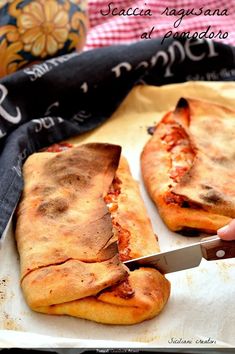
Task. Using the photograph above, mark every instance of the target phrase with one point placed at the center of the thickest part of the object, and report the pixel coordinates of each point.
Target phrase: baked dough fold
(188, 166)
(71, 242)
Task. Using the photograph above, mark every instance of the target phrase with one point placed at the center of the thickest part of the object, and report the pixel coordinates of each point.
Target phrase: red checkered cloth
(116, 29)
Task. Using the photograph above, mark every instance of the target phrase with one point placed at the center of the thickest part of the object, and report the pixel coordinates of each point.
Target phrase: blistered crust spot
(53, 208)
(212, 197)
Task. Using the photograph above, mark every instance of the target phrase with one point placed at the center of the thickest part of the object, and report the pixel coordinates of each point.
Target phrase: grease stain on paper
(189, 280)
(203, 270)
(146, 337)
(3, 288)
(224, 268)
(5, 293)
(11, 323)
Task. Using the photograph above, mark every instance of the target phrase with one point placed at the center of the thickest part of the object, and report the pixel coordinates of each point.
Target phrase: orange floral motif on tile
(39, 29)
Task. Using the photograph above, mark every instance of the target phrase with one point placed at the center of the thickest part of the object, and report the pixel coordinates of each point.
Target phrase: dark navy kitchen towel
(74, 93)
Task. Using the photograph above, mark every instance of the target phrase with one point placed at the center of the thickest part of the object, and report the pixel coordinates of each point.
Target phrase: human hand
(227, 232)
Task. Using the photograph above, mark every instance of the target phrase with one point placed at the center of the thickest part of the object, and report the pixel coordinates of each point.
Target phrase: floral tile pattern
(31, 31)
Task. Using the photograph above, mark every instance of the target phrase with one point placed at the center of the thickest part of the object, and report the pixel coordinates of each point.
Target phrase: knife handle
(213, 248)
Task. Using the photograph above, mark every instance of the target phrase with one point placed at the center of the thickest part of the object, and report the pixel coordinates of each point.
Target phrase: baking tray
(201, 309)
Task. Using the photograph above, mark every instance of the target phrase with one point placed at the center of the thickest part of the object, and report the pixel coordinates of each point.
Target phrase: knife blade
(210, 248)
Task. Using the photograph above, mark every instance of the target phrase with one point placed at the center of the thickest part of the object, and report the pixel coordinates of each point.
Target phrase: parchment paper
(201, 308)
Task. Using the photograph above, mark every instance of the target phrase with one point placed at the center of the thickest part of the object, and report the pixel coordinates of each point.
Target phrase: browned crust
(62, 207)
(85, 278)
(150, 294)
(71, 280)
(64, 229)
(132, 215)
(156, 163)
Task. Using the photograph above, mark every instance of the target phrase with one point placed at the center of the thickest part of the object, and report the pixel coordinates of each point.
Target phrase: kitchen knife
(211, 248)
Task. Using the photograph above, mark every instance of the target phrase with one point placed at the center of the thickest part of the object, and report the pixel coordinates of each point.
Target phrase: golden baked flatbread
(81, 215)
(188, 167)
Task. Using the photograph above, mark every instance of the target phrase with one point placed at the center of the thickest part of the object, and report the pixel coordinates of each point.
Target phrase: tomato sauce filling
(182, 154)
(177, 143)
(111, 198)
(58, 147)
(123, 290)
(123, 235)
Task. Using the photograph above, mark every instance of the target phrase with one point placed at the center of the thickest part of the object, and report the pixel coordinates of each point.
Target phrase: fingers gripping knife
(211, 248)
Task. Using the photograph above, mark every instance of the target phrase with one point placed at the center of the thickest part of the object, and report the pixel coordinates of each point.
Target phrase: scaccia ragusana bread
(79, 217)
(188, 167)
